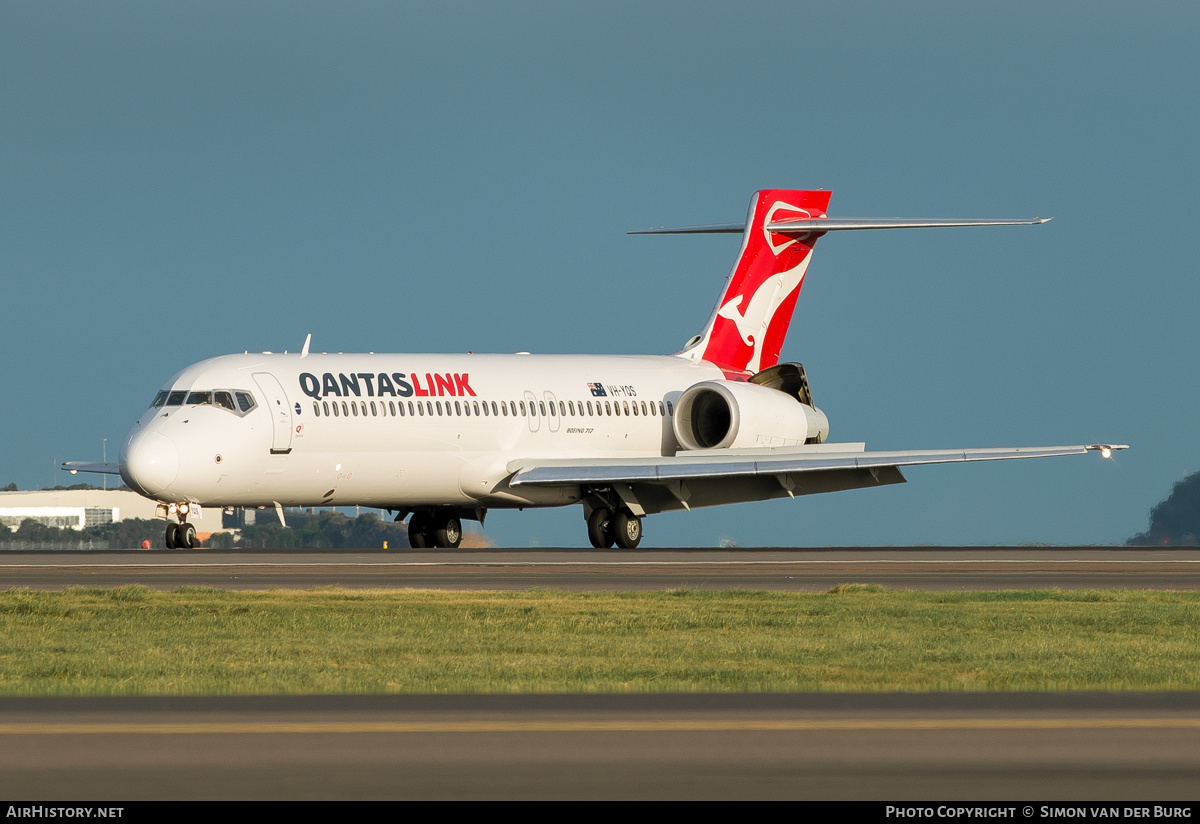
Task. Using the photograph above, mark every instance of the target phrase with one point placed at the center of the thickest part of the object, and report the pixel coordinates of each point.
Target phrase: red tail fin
(750, 321)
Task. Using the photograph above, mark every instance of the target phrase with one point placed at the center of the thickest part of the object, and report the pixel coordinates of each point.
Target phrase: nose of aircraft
(149, 462)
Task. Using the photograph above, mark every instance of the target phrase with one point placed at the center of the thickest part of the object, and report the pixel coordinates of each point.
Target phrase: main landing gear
(604, 528)
(439, 528)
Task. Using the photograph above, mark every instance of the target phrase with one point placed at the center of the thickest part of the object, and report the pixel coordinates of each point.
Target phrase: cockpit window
(224, 398)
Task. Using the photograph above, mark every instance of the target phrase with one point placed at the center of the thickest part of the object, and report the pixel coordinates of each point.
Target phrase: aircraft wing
(110, 468)
(730, 476)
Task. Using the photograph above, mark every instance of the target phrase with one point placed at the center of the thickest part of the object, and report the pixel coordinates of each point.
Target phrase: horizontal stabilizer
(83, 466)
(713, 229)
(844, 224)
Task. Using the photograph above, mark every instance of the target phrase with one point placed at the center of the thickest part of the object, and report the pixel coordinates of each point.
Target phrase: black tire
(599, 527)
(418, 531)
(447, 531)
(627, 529)
(185, 536)
(169, 540)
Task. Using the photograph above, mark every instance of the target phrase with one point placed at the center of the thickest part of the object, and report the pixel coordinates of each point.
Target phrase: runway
(887, 747)
(795, 570)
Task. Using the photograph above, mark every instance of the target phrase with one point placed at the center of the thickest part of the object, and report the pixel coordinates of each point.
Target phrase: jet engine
(725, 414)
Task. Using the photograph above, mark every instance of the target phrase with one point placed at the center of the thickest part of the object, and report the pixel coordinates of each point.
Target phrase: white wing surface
(735, 475)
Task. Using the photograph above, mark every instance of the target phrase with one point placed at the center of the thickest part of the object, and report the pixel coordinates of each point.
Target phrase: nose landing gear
(181, 535)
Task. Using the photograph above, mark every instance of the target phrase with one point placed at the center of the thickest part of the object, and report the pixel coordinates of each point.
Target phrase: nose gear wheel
(181, 536)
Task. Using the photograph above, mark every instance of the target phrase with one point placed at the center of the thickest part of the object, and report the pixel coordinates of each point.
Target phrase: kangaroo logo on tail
(746, 331)
(753, 324)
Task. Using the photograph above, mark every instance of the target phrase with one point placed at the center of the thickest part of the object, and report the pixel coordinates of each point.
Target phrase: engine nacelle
(724, 414)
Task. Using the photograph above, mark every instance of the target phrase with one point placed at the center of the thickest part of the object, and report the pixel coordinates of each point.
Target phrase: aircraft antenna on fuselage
(307, 341)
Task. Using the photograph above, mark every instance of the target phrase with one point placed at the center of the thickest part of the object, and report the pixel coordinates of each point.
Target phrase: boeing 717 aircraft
(443, 438)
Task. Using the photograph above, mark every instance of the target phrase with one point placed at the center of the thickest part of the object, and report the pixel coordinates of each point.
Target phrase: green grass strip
(191, 641)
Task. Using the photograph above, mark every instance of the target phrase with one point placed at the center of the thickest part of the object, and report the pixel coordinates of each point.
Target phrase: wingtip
(1106, 449)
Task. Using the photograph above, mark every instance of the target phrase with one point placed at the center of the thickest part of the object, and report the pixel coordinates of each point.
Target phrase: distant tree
(1175, 521)
(31, 530)
(128, 533)
(220, 540)
(12, 487)
(325, 530)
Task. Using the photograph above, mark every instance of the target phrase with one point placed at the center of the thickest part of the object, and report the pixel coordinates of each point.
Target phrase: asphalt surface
(886, 747)
(798, 570)
(967, 747)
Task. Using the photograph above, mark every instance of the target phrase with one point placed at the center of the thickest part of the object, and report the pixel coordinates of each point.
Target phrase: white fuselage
(398, 431)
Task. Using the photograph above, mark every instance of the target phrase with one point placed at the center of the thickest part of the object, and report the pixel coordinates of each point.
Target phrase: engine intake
(726, 414)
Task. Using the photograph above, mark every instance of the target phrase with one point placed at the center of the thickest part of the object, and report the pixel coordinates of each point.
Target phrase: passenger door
(279, 410)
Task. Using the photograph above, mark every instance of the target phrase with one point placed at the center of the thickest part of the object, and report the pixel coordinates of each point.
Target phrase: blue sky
(188, 179)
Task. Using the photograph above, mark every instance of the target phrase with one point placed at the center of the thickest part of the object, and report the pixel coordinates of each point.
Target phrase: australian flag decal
(597, 390)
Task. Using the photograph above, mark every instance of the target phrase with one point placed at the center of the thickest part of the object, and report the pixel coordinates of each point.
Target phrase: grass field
(134, 641)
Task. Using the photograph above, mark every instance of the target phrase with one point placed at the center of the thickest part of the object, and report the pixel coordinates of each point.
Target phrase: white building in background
(73, 508)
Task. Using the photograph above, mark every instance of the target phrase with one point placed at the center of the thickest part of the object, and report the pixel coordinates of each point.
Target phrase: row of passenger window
(235, 401)
(493, 409)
